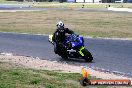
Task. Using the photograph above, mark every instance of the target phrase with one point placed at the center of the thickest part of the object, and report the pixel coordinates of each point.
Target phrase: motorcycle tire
(64, 56)
(87, 55)
(55, 48)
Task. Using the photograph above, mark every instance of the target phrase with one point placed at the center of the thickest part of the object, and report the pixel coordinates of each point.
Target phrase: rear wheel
(87, 55)
(56, 49)
(64, 56)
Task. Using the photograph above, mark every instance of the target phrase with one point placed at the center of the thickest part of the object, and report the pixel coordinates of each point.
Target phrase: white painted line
(6, 54)
(120, 9)
(19, 10)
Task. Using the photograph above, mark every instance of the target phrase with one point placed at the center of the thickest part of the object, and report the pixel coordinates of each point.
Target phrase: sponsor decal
(84, 80)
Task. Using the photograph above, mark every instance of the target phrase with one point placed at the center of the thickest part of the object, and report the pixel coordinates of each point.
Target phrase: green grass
(8, 2)
(68, 5)
(29, 78)
(79, 5)
(17, 77)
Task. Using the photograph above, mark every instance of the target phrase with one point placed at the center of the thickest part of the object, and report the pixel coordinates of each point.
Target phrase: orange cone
(86, 74)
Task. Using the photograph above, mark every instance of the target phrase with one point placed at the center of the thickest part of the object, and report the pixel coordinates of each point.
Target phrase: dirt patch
(36, 63)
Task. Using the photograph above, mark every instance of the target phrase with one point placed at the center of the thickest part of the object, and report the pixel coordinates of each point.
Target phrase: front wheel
(87, 55)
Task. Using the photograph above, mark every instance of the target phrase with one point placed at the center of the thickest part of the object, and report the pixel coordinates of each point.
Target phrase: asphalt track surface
(112, 55)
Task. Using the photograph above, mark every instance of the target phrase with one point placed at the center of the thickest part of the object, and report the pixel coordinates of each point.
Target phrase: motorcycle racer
(59, 36)
(69, 46)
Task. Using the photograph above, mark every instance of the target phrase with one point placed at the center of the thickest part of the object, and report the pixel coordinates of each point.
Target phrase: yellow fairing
(80, 51)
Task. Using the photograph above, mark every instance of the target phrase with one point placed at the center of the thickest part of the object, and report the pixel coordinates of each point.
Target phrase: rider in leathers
(59, 36)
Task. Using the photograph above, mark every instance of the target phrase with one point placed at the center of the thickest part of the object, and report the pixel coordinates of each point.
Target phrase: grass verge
(69, 5)
(95, 24)
(18, 77)
(79, 5)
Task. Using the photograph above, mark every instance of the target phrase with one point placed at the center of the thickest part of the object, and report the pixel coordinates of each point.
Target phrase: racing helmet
(60, 26)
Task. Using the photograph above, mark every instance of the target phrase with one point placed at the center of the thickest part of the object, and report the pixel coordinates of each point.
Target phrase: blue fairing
(76, 41)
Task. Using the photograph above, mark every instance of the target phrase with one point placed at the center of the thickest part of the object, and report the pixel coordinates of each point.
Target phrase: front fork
(80, 51)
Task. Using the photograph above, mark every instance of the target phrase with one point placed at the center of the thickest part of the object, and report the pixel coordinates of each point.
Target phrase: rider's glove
(75, 35)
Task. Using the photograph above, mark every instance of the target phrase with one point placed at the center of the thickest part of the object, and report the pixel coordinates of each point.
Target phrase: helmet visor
(61, 30)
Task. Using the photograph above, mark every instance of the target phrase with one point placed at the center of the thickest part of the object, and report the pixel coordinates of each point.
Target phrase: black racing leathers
(58, 38)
